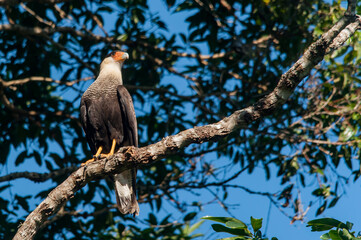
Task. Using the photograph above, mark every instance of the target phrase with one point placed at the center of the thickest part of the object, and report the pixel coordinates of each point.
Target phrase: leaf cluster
(238, 228)
(339, 230)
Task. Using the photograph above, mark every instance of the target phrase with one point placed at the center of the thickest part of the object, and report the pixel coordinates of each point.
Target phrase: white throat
(111, 71)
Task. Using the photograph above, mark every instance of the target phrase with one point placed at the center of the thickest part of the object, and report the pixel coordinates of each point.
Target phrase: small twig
(40, 19)
(12, 107)
(96, 20)
(15, 2)
(43, 79)
(62, 14)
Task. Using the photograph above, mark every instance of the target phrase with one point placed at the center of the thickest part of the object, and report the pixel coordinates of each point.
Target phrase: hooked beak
(120, 56)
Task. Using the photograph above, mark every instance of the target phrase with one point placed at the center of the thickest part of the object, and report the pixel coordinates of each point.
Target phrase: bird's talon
(88, 161)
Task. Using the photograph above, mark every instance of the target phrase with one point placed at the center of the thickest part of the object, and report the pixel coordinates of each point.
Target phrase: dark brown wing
(128, 114)
(85, 124)
(131, 139)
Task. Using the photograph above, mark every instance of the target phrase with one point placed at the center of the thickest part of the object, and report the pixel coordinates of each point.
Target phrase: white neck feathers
(111, 71)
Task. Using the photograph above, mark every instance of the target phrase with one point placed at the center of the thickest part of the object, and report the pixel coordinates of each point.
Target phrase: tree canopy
(251, 69)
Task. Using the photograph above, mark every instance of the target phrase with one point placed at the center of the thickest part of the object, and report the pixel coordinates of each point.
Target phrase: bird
(108, 119)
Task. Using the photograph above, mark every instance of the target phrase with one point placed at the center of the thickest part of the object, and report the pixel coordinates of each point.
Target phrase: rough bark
(127, 158)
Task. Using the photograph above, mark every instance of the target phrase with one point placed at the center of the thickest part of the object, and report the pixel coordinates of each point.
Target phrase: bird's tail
(125, 192)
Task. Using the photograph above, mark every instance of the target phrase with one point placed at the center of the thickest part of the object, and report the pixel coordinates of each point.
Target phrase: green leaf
(324, 224)
(222, 219)
(48, 165)
(345, 234)
(37, 158)
(321, 208)
(21, 157)
(189, 216)
(121, 228)
(347, 134)
(258, 234)
(152, 219)
(234, 238)
(333, 202)
(194, 227)
(233, 231)
(23, 202)
(334, 235)
(256, 223)
(158, 203)
(349, 225)
(325, 236)
(170, 3)
(122, 37)
(323, 191)
(235, 224)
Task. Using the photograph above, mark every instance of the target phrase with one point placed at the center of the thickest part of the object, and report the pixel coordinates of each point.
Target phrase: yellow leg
(112, 150)
(99, 155)
(100, 149)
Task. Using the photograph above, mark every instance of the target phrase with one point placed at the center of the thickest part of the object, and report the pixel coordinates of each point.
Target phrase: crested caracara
(108, 119)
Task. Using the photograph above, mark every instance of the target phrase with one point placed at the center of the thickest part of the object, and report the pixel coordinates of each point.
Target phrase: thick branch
(314, 54)
(344, 35)
(131, 157)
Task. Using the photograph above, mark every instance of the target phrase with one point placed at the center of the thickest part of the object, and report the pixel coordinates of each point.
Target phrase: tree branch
(12, 83)
(37, 177)
(46, 31)
(4, 100)
(16, 2)
(131, 157)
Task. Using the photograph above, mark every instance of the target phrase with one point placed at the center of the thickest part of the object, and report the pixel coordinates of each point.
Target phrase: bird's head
(115, 58)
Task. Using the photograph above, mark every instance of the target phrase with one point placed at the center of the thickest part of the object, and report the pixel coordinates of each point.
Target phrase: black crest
(110, 54)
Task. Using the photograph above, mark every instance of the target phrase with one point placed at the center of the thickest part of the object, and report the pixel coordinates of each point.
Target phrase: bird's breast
(96, 91)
